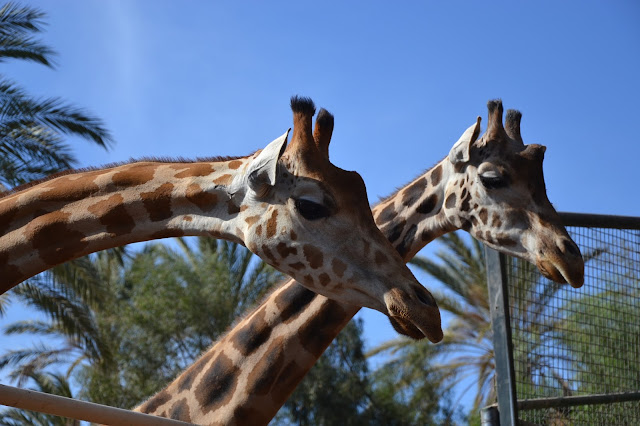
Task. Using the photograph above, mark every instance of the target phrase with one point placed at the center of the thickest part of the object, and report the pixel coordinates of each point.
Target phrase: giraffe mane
(35, 182)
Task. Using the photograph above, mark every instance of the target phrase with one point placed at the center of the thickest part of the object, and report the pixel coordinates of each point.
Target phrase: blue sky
(404, 80)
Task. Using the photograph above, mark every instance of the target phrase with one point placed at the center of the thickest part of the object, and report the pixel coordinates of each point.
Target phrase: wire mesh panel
(569, 343)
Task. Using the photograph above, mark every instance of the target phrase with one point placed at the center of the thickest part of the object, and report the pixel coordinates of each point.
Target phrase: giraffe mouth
(560, 273)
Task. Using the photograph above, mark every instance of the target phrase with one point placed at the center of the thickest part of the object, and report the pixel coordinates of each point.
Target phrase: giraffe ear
(460, 151)
(261, 173)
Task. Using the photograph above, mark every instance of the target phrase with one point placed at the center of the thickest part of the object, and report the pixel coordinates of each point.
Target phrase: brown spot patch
(218, 384)
(407, 242)
(264, 375)
(292, 301)
(187, 218)
(272, 224)
(324, 279)
(496, 222)
(234, 164)
(134, 174)
(185, 381)
(427, 236)
(152, 405)
(387, 214)
(436, 175)
(308, 281)
(158, 202)
(395, 232)
(413, 191)
(71, 188)
(259, 230)
(284, 250)
(180, 411)
(483, 215)
(427, 205)
(53, 239)
(239, 234)
(113, 215)
(318, 332)
(313, 256)
(451, 201)
(293, 235)
(267, 252)
(223, 180)
(297, 266)
(252, 219)
(194, 170)
(504, 241)
(206, 201)
(338, 267)
(252, 335)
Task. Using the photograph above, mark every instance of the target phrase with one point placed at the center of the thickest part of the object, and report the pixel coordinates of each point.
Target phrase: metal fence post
(502, 345)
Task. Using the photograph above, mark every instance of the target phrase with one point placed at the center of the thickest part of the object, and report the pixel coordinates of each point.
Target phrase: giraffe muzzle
(414, 313)
(563, 265)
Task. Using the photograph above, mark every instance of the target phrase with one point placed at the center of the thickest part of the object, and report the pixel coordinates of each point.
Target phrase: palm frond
(16, 23)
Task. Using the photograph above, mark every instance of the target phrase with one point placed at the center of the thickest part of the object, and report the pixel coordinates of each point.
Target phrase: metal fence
(568, 356)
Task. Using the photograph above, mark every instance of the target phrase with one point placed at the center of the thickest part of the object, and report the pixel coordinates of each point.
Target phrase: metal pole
(502, 345)
(74, 409)
(490, 416)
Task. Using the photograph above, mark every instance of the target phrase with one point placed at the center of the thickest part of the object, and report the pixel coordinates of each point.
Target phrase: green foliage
(466, 351)
(31, 130)
(157, 310)
(169, 306)
(340, 390)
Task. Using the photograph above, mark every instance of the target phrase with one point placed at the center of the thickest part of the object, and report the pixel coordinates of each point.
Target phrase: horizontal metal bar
(74, 409)
(599, 220)
(569, 401)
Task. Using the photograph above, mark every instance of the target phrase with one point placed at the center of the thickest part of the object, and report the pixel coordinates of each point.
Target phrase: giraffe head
(497, 192)
(312, 221)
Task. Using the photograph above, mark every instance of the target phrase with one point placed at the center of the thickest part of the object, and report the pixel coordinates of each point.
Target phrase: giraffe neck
(246, 376)
(76, 214)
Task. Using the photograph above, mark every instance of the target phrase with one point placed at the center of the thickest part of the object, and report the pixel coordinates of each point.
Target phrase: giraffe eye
(493, 181)
(311, 210)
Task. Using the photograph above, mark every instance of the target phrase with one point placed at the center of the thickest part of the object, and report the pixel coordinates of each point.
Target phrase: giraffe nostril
(570, 247)
(425, 297)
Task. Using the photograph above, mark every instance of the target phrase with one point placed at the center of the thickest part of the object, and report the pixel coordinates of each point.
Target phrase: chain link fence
(572, 356)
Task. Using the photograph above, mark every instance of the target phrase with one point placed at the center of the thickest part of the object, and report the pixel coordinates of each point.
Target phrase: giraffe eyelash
(311, 210)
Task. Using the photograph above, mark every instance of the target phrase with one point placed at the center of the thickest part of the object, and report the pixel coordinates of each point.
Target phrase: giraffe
(492, 187)
(287, 204)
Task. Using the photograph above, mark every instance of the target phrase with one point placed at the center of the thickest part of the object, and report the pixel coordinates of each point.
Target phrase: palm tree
(31, 147)
(170, 303)
(129, 322)
(31, 130)
(68, 296)
(466, 351)
(32, 144)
